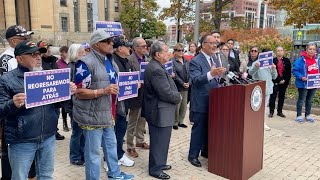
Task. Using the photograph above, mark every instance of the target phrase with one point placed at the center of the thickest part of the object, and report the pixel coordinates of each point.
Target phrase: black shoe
(270, 115)
(77, 163)
(195, 162)
(175, 127)
(204, 154)
(161, 176)
(167, 167)
(281, 114)
(59, 136)
(182, 125)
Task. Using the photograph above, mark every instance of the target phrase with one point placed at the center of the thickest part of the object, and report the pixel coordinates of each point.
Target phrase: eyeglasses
(106, 41)
(143, 46)
(211, 43)
(179, 50)
(34, 55)
(254, 50)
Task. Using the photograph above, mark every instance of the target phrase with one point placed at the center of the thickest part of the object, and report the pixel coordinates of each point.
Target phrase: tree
(299, 12)
(216, 10)
(129, 15)
(153, 28)
(180, 10)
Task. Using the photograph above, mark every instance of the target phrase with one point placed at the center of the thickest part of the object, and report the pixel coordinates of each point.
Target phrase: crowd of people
(99, 120)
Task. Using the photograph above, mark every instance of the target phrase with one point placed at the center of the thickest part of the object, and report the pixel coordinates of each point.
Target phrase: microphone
(233, 77)
(242, 78)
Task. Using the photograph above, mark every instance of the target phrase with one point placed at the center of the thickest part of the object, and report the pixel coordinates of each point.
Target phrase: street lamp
(140, 33)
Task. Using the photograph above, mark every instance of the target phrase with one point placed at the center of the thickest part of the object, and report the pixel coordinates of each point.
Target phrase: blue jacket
(300, 70)
(24, 125)
(199, 67)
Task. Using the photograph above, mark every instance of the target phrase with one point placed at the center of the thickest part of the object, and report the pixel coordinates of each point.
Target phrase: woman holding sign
(303, 67)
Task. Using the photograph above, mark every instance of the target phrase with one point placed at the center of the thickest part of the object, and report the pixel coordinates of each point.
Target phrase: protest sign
(169, 67)
(266, 59)
(143, 66)
(113, 28)
(128, 85)
(46, 87)
(313, 81)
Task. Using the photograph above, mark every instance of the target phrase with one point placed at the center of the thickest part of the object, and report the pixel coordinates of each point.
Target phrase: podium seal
(256, 98)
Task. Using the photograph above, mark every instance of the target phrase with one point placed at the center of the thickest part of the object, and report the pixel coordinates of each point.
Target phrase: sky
(163, 4)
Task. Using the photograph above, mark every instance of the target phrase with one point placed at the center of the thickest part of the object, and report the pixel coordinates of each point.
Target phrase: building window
(63, 3)
(249, 19)
(64, 24)
(76, 15)
(116, 6)
(270, 21)
(106, 13)
(90, 15)
(262, 9)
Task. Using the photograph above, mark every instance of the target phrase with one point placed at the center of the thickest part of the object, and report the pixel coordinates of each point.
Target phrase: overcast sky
(162, 4)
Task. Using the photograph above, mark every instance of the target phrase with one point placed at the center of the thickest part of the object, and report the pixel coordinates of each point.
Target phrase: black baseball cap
(120, 41)
(17, 30)
(27, 47)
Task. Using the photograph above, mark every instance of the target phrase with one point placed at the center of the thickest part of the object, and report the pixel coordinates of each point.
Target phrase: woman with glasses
(181, 79)
(233, 64)
(263, 74)
(307, 64)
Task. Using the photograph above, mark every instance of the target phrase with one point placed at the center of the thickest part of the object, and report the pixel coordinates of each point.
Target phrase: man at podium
(204, 75)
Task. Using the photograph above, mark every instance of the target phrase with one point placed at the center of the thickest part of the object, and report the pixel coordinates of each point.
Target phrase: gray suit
(160, 99)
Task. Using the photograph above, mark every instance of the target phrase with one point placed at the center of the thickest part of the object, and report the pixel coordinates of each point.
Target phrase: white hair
(73, 52)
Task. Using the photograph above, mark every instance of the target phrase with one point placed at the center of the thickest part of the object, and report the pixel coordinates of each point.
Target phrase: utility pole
(178, 23)
(197, 19)
(140, 33)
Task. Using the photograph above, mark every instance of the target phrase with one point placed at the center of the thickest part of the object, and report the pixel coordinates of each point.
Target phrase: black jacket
(182, 73)
(286, 73)
(124, 66)
(24, 125)
(234, 65)
(49, 63)
(236, 56)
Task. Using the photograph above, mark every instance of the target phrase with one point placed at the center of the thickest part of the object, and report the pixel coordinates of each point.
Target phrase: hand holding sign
(73, 88)
(266, 59)
(19, 99)
(112, 89)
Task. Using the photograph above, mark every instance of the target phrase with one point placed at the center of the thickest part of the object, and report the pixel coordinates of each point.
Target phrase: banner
(113, 28)
(128, 85)
(46, 87)
(266, 59)
(169, 67)
(143, 66)
(313, 81)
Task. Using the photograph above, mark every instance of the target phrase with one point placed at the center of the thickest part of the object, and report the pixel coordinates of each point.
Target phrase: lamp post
(197, 19)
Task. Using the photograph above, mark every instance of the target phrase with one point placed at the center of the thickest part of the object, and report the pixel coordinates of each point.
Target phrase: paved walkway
(291, 151)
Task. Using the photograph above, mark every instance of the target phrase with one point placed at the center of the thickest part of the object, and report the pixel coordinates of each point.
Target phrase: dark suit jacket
(136, 102)
(199, 67)
(236, 56)
(286, 73)
(160, 96)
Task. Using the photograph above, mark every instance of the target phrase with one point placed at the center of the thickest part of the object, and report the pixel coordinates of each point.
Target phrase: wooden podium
(235, 131)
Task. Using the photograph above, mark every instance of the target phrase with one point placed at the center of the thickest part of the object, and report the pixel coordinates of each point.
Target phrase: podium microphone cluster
(233, 77)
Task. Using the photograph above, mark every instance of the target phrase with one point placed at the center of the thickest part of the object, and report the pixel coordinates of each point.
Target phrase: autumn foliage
(263, 38)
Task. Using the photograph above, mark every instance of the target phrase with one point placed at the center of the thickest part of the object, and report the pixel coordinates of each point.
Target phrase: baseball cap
(17, 30)
(28, 46)
(98, 35)
(120, 41)
(43, 44)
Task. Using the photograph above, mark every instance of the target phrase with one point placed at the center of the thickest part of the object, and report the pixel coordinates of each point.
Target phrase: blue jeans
(76, 142)
(21, 156)
(305, 95)
(93, 141)
(120, 130)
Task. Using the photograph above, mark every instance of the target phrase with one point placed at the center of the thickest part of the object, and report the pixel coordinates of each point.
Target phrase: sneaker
(143, 145)
(105, 166)
(182, 125)
(77, 163)
(122, 176)
(310, 119)
(299, 119)
(266, 127)
(125, 161)
(59, 136)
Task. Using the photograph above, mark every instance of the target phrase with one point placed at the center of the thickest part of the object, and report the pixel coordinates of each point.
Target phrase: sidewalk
(291, 151)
